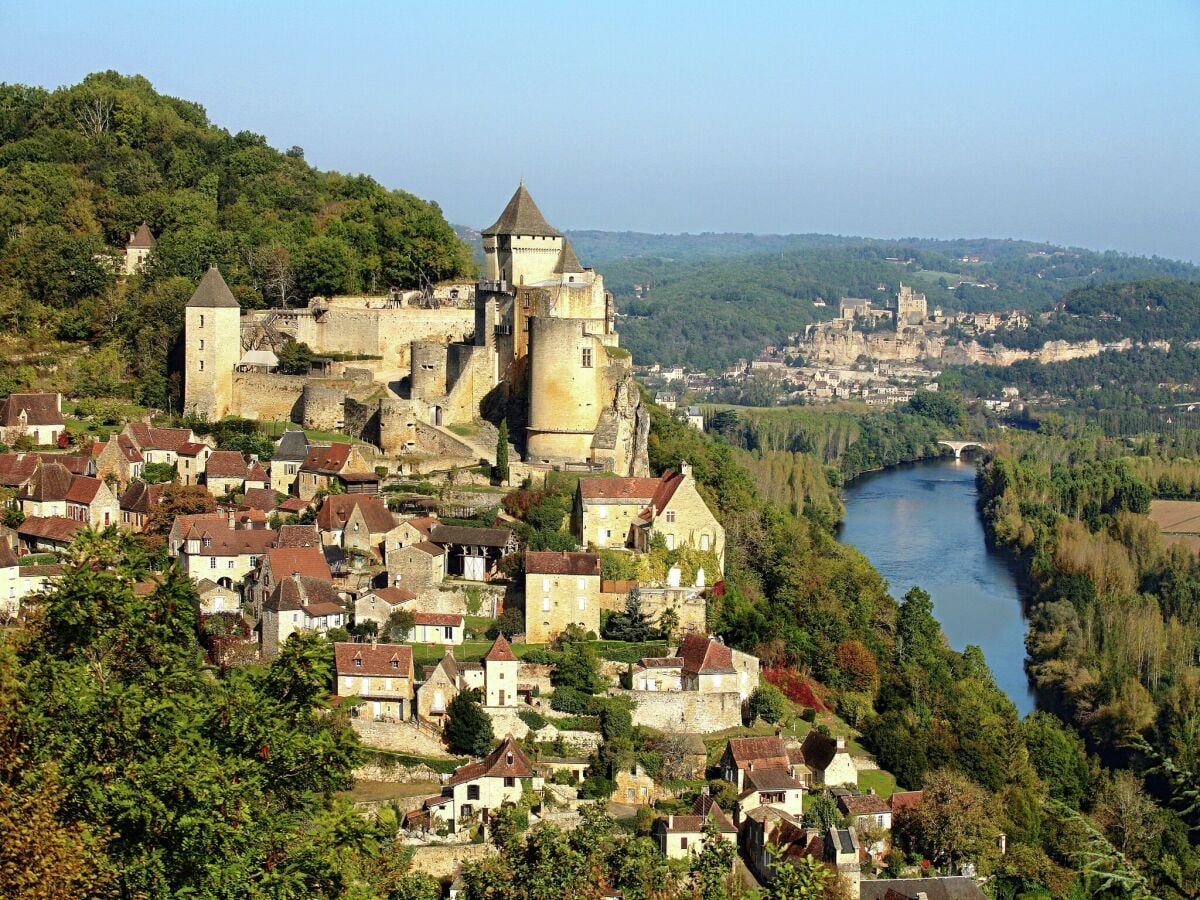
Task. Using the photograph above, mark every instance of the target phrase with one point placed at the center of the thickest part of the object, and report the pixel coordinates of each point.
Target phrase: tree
(158, 473)
(711, 868)
(822, 813)
(1058, 756)
(274, 264)
(326, 267)
(805, 879)
(510, 622)
(630, 625)
(500, 471)
(579, 669)
(767, 703)
(953, 822)
(470, 728)
(399, 626)
(179, 500)
(295, 358)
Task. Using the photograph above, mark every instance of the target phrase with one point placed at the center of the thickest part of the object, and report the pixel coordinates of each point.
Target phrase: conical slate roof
(213, 291)
(522, 216)
(568, 262)
(141, 239)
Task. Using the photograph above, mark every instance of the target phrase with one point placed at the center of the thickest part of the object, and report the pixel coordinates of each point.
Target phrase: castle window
(545, 604)
(202, 321)
(587, 357)
(201, 365)
(201, 343)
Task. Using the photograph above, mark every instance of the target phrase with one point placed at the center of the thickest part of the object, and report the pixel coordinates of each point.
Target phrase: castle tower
(213, 340)
(522, 247)
(565, 385)
(137, 250)
(500, 668)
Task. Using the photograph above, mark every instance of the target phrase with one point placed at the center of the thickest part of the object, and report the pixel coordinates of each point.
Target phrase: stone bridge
(959, 446)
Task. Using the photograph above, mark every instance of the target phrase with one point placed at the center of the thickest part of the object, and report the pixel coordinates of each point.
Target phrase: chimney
(841, 743)
(685, 468)
(374, 642)
(670, 820)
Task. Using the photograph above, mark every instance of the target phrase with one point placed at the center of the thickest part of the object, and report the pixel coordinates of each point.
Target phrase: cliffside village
(322, 537)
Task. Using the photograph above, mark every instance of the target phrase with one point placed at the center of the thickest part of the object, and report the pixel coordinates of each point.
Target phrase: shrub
(569, 700)
(597, 787)
(767, 703)
(532, 718)
(508, 623)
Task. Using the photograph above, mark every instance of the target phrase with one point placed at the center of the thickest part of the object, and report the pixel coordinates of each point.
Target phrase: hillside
(707, 300)
(82, 166)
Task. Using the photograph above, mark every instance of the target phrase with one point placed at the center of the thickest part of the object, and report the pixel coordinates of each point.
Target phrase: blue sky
(1071, 122)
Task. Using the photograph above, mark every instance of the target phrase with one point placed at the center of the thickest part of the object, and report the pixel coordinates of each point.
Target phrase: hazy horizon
(1072, 125)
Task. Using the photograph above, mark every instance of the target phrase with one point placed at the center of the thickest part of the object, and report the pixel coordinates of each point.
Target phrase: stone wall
(444, 861)
(388, 333)
(690, 710)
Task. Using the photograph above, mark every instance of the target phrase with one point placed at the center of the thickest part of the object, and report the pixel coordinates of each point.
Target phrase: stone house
(955, 887)
(377, 604)
(867, 811)
(629, 512)
(441, 685)
(214, 550)
(767, 828)
(744, 755)
(191, 460)
(658, 674)
(117, 457)
(299, 603)
(500, 670)
(417, 567)
(380, 675)
(709, 666)
(769, 786)
(436, 628)
(561, 588)
(214, 598)
(679, 837)
(355, 522)
(695, 418)
(91, 501)
(633, 784)
(290, 452)
(45, 494)
(137, 250)
(326, 464)
(279, 563)
(16, 469)
(502, 777)
(10, 583)
(158, 445)
(225, 472)
(136, 503)
(46, 534)
(828, 760)
(37, 416)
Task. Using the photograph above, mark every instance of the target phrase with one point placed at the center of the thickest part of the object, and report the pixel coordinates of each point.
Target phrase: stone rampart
(690, 710)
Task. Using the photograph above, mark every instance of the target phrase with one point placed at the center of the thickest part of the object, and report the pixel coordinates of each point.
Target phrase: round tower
(564, 390)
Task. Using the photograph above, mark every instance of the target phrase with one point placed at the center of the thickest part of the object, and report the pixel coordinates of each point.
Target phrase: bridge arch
(959, 446)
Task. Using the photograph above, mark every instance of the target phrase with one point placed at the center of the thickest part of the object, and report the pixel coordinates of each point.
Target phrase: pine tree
(501, 469)
(470, 728)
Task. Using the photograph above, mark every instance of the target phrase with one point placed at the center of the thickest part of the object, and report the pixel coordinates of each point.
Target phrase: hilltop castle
(534, 341)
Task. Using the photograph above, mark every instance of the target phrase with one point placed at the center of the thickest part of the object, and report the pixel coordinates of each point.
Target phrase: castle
(533, 341)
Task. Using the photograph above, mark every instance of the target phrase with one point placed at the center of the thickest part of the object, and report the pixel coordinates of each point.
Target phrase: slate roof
(141, 239)
(39, 409)
(762, 751)
(772, 778)
(225, 464)
(292, 447)
(568, 262)
(501, 651)
(464, 534)
(213, 292)
(522, 216)
(555, 562)
(496, 765)
(818, 750)
(336, 510)
(376, 659)
(705, 656)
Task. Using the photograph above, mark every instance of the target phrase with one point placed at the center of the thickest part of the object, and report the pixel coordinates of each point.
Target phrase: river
(918, 525)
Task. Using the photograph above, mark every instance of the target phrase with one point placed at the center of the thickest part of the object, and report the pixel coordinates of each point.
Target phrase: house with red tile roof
(481, 787)
(380, 676)
(118, 457)
(355, 522)
(212, 549)
(377, 604)
(299, 603)
(227, 472)
(436, 628)
(679, 837)
(16, 469)
(91, 501)
(40, 534)
(159, 445)
(75, 463)
(191, 460)
(37, 416)
(340, 461)
(631, 512)
(45, 494)
(500, 670)
(561, 589)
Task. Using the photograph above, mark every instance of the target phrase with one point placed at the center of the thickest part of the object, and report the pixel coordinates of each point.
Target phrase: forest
(82, 166)
(696, 290)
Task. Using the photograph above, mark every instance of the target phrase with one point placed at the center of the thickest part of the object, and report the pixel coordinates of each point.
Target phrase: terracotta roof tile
(296, 592)
(905, 800)
(51, 482)
(336, 510)
(58, 529)
(501, 651)
(630, 489)
(83, 490)
(554, 562)
(260, 498)
(286, 561)
(439, 619)
(506, 761)
(704, 655)
(72, 462)
(375, 660)
(762, 751)
(392, 595)
(17, 468)
(326, 460)
(39, 409)
(225, 464)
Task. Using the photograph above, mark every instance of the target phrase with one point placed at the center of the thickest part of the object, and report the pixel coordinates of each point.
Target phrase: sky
(1071, 122)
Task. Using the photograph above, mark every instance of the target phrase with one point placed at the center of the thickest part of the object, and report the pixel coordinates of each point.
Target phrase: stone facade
(561, 589)
(687, 710)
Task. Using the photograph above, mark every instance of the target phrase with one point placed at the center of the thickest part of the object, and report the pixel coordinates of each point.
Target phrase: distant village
(378, 521)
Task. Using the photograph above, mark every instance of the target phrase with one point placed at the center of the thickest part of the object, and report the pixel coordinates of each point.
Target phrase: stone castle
(533, 341)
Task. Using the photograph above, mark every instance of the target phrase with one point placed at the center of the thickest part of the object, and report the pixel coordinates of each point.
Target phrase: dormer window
(358, 664)
(207, 542)
(395, 663)
(508, 758)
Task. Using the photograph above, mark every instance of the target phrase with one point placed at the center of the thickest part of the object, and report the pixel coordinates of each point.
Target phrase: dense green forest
(82, 166)
(709, 300)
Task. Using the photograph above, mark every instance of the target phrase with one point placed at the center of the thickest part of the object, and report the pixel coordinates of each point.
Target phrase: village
(515, 625)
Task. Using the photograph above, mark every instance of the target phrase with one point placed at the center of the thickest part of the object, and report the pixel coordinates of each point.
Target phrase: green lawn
(884, 783)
